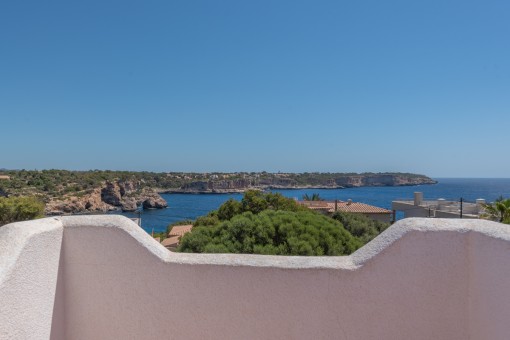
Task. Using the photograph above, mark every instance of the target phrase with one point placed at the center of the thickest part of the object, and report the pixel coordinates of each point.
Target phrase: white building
(440, 208)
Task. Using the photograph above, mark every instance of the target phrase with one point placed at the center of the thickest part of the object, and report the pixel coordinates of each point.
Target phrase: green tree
(13, 209)
(254, 201)
(229, 209)
(273, 232)
(360, 226)
(207, 221)
(498, 211)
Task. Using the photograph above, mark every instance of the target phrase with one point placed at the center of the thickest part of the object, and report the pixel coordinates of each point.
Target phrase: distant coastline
(241, 191)
(271, 187)
(70, 192)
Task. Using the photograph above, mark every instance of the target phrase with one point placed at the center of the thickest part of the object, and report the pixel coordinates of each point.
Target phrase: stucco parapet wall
(15, 237)
(351, 262)
(428, 225)
(155, 248)
(103, 277)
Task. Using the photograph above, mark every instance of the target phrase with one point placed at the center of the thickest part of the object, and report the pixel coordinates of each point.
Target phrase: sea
(191, 206)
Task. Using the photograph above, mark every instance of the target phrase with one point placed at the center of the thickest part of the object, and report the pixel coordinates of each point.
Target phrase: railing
(459, 206)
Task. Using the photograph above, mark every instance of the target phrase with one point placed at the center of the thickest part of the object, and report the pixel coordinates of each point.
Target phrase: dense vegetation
(55, 183)
(363, 228)
(13, 209)
(267, 223)
(272, 232)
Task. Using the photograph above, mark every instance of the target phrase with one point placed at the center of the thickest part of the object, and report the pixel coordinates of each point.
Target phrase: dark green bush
(273, 232)
(13, 209)
(360, 226)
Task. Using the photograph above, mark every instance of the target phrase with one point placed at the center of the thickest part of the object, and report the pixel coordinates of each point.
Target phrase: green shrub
(13, 209)
(273, 232)
(360, 226)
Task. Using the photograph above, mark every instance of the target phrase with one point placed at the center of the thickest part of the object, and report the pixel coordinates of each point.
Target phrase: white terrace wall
(29, 262)
(421, 279)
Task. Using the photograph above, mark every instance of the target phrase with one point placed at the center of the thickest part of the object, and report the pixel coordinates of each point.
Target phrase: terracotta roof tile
(171, 241)
(353, 207)
(360, 208)
(180, 230)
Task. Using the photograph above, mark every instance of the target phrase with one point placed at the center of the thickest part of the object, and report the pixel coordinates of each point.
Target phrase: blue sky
(256, 85)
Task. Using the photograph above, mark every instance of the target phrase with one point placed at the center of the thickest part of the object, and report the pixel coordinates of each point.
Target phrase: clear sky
(410, 86)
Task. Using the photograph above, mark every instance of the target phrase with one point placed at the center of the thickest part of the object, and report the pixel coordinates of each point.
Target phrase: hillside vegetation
(58, 183)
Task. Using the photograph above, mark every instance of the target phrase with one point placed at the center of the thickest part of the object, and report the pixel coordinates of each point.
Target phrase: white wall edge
(15, 236)
(394, 233)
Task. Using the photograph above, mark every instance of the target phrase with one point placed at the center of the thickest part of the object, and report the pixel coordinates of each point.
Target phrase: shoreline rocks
(119, 195)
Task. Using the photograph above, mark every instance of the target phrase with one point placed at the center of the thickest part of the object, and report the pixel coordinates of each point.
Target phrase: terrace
(102, 277)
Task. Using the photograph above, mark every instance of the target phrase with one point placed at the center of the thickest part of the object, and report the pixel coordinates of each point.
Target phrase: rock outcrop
(120, 195)
(154, 202)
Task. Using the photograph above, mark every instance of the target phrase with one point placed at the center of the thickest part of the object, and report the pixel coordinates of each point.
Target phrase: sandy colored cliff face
(347, 181)
(381, 180)
(126, 196)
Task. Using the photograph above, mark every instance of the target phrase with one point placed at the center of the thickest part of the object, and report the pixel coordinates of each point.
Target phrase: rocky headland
(118, 195)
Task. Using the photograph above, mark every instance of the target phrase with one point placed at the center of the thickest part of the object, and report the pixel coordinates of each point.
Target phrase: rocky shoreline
(243, 190)
(112, 196)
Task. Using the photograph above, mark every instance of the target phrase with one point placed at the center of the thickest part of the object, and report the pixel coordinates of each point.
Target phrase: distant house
(171, 242)
(329, 207)
(5, 177)
(175, 234)
(180, 230)
(439, 208)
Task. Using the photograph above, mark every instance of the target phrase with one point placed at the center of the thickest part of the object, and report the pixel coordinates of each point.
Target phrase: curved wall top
(87, 277)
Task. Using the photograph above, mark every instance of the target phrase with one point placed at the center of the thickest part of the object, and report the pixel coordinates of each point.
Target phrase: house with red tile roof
(329, 207)
(175, 234)
(180, 230)
(171, 242)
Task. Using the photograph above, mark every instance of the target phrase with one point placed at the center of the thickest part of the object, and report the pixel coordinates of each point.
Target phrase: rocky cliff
(119, 195)
(297, 181)
(380, 180)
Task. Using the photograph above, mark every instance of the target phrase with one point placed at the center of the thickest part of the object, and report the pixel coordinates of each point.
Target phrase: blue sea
(190, 206)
